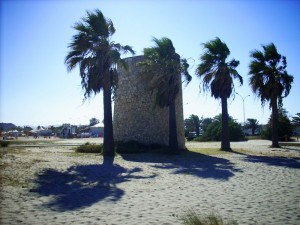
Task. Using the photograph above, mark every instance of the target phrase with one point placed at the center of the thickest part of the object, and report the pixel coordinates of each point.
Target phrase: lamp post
(243, 98)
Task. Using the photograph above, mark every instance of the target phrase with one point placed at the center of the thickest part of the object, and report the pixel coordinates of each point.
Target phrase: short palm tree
(252, 124)
(161, 70)
(196, 123)
(296, 120)
(270, 81)
(217, 75)
(97, 57)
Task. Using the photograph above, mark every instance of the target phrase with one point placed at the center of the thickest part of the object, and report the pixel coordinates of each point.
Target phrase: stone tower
(135, 117)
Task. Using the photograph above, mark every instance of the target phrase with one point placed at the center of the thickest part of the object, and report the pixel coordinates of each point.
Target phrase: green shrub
(192, 218)
(200, 139)
(4, 143)
(214, 131)
(90, 148)
(285, 128)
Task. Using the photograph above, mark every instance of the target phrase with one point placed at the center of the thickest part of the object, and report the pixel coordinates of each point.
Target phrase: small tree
(285, 127)
(196, 123)
(296, 120)
(204, 123)
(252, 124)
(94, 121)
(188, 126)
(214, 130)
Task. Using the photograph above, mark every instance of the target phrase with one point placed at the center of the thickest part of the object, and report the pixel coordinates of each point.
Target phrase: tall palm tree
(270, 81)
(161, 70)
(217, 76)
(97, 57)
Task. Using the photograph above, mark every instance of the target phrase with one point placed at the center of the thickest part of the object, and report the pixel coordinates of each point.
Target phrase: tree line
(97, 56)
(209, 129)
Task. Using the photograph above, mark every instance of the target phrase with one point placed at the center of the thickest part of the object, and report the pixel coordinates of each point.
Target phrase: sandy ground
(53, 185)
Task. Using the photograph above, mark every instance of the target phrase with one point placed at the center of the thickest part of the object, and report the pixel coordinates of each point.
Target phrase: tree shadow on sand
(187, 162)
(292, 163)
(83, 185)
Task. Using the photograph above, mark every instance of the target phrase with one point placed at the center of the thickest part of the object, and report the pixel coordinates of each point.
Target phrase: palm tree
(196, 123)
(270, 81)
(217, 76)
(97, 57)
(252, 124)
(161, 70)
(296, 120)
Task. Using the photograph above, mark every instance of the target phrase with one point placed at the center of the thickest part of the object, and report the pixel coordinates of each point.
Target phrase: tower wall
(135, 117)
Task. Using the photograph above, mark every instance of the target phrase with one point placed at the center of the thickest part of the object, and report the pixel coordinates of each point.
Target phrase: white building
(96, 130)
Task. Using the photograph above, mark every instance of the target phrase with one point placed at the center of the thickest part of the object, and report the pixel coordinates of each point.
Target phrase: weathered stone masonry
(135, 118)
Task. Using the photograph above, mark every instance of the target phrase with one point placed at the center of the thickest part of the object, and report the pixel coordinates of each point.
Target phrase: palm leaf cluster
(93, 51)
(269, 78)
(217, 74)
(161, 70)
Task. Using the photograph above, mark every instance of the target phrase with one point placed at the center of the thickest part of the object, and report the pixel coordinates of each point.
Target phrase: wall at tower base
(135, 117)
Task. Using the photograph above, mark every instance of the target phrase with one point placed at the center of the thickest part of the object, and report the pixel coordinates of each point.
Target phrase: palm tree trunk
(197, 128)
(108, 142)
(225, 144)
(275, 122)
(173, 142)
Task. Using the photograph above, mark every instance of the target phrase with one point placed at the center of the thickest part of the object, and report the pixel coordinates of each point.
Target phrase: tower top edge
(136, 57)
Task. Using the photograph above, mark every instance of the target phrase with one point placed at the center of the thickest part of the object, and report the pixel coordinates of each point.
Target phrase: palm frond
(184, 70)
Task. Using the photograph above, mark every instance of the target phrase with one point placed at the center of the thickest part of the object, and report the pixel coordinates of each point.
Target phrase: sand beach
(48, 183)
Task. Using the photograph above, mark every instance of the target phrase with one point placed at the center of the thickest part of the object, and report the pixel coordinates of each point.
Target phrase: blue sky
(36, 88)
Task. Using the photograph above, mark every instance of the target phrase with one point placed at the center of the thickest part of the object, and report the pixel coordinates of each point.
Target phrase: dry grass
(16, 168)
(280, 153)
(192, 218)
(209, 151)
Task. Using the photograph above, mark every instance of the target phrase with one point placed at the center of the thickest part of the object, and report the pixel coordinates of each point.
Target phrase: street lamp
(243, 98)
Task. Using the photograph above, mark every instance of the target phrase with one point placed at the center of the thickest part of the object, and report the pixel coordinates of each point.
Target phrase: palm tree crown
(269, 78)
(94, 53)
(161, 70)
(217, 74)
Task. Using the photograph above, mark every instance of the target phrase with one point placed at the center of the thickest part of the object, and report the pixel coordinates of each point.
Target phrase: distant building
(40, 131)
(96, 130)
(67, 131)
(44, 131)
